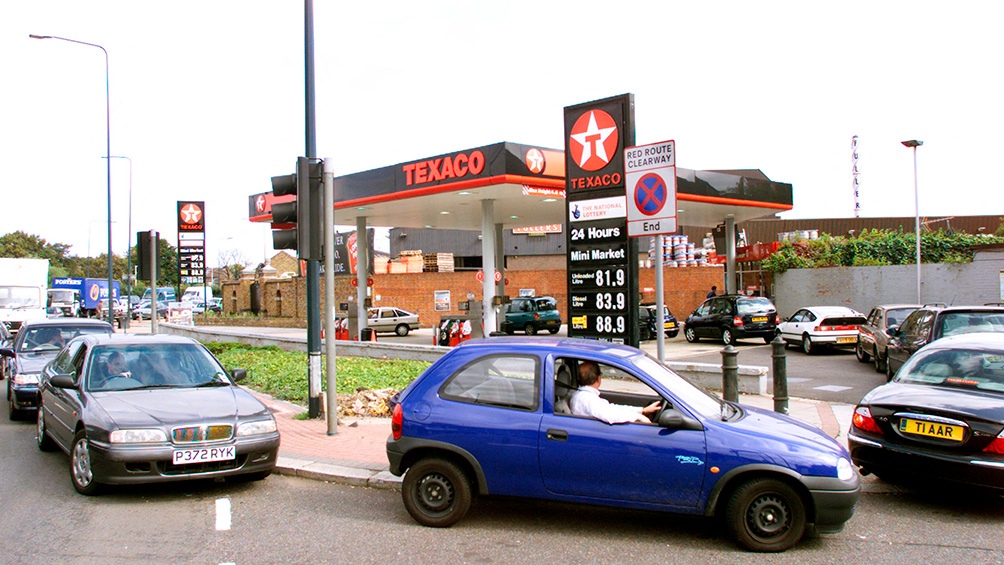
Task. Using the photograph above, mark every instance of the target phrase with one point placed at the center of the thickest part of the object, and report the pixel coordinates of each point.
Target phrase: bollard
(780, 375)
(730, 374)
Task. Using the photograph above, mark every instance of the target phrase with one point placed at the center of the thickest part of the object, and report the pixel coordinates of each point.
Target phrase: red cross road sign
(650, 182)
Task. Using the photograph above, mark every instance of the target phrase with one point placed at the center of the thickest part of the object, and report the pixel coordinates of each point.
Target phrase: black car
(940, 419)
(933, 322)
(872, 336)
(648, 322)
(33, 347)
(731, 317)
(148, 409)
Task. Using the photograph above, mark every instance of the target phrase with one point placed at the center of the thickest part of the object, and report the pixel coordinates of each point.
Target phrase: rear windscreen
(753, 305)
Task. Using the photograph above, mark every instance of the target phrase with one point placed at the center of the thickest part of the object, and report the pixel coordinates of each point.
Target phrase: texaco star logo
(259, 203)
(535, 161)
(593, 140)
(191, 214)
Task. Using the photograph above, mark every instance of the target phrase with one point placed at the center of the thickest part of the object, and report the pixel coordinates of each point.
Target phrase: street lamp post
(108, 161)
(125, 323)
(914, 144)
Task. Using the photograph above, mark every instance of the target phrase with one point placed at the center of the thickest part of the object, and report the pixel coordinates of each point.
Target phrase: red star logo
(593, 140)
(190, 214)
(535, 161)
(259, 203)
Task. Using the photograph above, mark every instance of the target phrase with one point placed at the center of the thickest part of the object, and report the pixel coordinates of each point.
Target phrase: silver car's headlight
(26, 379)
(844, 469)
(258, 427)
(137, 436)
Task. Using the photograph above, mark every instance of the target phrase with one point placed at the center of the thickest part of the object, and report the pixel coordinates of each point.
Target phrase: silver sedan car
(146, 409)
(385, 319)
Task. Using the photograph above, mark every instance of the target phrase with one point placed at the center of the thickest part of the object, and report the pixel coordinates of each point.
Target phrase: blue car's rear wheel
(766, 515)
(436, 493)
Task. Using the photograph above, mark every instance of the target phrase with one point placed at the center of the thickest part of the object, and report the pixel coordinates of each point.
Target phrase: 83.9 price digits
(610, 301)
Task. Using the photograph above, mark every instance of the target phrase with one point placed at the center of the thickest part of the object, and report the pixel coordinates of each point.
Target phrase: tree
(232, 262)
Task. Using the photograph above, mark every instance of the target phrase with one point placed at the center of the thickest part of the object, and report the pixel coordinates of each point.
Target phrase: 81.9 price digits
(610, 277)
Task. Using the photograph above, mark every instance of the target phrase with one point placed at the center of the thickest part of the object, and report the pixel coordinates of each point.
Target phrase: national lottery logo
(593, 140)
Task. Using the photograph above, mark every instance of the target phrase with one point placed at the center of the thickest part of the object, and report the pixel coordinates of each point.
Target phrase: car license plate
(931, 429)
(846, 339)
(758, 319)
(669, 325)
(204, 455)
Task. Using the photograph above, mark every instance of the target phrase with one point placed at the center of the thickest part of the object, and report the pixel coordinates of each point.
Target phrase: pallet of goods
(438, 262)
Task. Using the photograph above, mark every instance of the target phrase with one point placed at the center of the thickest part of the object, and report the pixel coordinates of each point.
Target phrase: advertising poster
(441, 300)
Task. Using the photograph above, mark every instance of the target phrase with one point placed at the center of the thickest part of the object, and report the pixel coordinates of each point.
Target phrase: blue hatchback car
(492, 417)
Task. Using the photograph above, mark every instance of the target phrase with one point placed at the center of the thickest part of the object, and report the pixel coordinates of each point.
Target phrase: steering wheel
(663, 405)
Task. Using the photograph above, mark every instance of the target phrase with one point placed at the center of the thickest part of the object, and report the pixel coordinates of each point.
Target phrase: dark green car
(531, 315)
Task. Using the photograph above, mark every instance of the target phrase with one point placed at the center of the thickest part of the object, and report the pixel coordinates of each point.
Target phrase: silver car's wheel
(861, 354)
(401, 330)
(42, 439)
(81, 472)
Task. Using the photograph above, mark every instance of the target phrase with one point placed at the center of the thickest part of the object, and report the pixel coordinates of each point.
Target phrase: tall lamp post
(125, 323)
(914, 144)
(108, 161)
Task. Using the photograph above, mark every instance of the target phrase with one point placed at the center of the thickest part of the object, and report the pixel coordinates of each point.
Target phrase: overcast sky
(207, 98)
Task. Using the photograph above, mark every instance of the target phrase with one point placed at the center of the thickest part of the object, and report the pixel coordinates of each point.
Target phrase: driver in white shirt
(586, 400)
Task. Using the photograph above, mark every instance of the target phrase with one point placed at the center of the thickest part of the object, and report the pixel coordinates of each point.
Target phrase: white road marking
(222, 514)
(833, 388)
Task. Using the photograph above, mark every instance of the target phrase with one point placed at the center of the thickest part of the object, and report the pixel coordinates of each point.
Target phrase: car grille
(195, 434)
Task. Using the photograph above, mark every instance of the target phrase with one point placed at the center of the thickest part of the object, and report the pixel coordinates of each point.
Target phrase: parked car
(447, 424)
(386, 319)
(145, 409)
(732, 316)
(142, 310)
(531, 315)
(940, 419)
(872, 336)
(34, 345)
(816, 327)
(933, 322)
(648, 322)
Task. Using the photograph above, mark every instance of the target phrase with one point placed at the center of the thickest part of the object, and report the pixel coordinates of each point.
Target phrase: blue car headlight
(845, 471)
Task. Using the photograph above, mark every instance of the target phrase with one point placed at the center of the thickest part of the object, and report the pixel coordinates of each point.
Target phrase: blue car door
(584, 457)
(580, 456)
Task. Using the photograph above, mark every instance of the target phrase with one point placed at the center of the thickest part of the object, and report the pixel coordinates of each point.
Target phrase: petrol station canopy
(526, 184)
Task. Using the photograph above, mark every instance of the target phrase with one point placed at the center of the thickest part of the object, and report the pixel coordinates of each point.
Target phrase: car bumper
(743, 333)
(24, 398)
(114, 464)
(875, 455)
(833, 500)
(848, 341)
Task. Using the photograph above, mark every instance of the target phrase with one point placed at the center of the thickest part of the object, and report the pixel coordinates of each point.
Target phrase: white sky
(207, 98)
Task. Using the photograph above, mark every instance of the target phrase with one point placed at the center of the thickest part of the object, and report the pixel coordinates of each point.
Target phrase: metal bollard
(780, 375)
(730, 374)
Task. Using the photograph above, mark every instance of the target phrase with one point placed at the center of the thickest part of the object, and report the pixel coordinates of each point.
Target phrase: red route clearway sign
(650, 185)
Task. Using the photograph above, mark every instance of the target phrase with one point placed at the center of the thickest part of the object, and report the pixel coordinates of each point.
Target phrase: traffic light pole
(313, 266)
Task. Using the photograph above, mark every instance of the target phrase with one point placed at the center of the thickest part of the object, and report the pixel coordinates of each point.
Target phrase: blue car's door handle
(557, 435)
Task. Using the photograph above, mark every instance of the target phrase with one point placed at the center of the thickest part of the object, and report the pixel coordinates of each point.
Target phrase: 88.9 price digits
(610, 324)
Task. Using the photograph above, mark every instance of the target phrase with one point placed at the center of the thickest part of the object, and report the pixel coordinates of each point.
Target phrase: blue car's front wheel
(766, 515)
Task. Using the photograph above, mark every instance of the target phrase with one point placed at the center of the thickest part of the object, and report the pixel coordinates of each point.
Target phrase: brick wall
(685, 288)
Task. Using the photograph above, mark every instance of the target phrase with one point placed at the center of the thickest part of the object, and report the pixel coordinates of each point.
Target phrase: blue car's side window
(506, 381)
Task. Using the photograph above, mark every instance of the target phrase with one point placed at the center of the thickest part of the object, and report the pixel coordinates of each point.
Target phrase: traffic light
(300, 224)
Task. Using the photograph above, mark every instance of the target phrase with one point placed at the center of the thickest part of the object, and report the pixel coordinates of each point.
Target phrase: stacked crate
(438, 262)
(412, 260)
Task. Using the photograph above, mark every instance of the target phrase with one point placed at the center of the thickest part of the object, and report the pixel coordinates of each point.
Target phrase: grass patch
(283, 374)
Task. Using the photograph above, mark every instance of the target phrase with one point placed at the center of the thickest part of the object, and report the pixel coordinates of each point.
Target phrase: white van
(197, 294)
